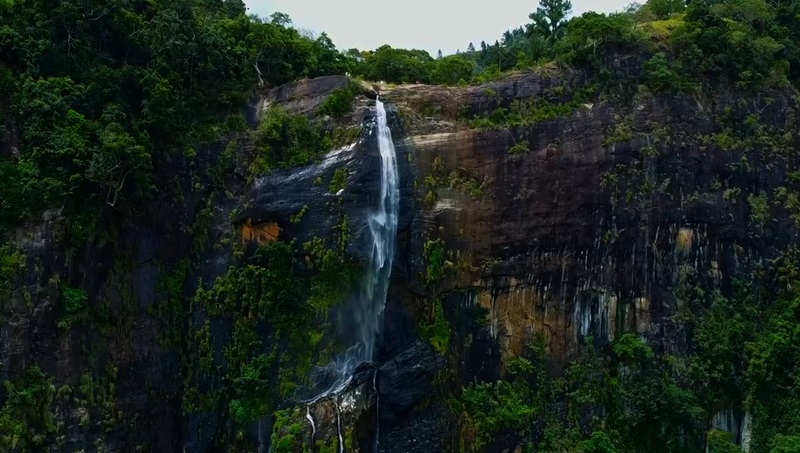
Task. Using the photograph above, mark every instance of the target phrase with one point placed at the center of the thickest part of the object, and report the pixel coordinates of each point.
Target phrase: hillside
(594, 246)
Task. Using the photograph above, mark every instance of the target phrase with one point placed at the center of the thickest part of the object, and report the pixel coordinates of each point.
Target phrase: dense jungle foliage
(96, 97)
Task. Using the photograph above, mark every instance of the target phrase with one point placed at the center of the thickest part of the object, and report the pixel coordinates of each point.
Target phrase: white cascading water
(339, 426)
(383, 231)
(372, 299)
(313, 426)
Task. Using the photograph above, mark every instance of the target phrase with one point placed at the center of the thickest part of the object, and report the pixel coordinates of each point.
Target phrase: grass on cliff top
(661, 30)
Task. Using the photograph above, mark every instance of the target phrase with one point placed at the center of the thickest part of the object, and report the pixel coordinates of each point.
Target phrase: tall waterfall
(383, 232)
(383, 229)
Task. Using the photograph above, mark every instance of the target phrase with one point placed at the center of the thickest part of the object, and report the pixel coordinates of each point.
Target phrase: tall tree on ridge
(281, 19)
(549, 20)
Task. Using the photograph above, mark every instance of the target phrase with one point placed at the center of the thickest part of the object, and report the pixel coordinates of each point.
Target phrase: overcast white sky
(417, 24)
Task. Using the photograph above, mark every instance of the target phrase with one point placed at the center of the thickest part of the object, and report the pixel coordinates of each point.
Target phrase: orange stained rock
(263, 233)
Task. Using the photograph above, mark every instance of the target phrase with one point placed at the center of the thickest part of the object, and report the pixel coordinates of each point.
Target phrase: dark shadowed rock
(406, 380)
(305, 95)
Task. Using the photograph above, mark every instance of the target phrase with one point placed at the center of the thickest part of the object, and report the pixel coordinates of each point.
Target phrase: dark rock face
(306, 95)
(405, 380)
(555, 250)
(124, 350)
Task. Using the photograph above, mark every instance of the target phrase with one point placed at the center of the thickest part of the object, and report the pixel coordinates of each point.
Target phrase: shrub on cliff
(286, 140)
(340, 102)
(718, 441)
(25, 417)
(506, 406)
(661, 76)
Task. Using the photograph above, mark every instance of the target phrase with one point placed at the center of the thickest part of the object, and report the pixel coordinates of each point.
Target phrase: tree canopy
(100, 92)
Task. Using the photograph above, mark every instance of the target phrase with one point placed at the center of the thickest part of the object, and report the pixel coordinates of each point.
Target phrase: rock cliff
(538, 215)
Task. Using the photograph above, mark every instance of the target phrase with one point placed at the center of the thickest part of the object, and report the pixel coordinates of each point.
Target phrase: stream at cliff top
(371, 300)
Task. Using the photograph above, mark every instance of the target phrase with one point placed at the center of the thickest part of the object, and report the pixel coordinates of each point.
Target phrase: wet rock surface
(406, 380)
(277, 197)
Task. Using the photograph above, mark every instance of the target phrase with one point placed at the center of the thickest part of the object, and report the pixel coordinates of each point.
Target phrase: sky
(413, 24)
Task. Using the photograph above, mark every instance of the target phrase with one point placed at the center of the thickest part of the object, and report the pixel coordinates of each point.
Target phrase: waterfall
(313, 427)
(747, 426)
(339, 427)
(367, 317)
(383, 230)
(382, 224)
(377, 412)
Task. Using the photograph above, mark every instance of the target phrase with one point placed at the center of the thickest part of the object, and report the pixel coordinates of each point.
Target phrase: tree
(451, 69)
(549, 19)
(281, 19)
(507, 37)
(439, 54)
(398, 65)
(470, 48)
(234, 8)
(326, 59)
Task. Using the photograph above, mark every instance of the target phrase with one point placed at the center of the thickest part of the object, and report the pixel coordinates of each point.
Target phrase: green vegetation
(459, 179)
(645, 400)
(96, 398)
(100, 103)
(452, 70)
(104, 106)
(520, 147)
(74, 304)
(252, 389)
(393, 65)
(12, 264)
(720, 442)
(286, 140)
(759, 208)
(662, 77)
(621, 133)
(437, 331)
(344, 135)
(506, 406)
(340, 102)
(90, 121)
(276, 303)
(25, 418)
(786, 444)
(706, 41)
(523, 113)
(435, 256)
(298, 217)
(338, 181)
